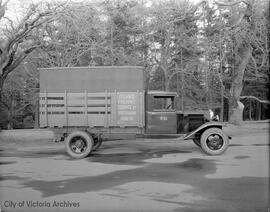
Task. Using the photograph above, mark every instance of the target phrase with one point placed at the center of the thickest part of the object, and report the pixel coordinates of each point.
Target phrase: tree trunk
(164, 67)
(182, 90)
(10, 114)
(166, 82)
(182, 83)
(222, 103)
(111, 44)
(249, 111)
(236, 107)
(1, 87)
(258, 110)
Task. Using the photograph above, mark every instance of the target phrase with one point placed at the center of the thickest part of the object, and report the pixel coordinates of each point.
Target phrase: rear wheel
(214, 141)
(79, 144)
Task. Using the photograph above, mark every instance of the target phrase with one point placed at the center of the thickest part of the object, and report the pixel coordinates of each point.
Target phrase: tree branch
(7, 60)
(190, 12)
(3, 7)
(18, 60)
(255, 98)
(27, 28)
(229, 4)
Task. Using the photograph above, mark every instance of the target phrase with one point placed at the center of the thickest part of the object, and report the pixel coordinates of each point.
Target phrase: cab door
(161, 115)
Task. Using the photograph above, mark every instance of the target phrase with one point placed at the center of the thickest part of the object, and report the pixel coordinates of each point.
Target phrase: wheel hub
(78, 145)
(215, 142)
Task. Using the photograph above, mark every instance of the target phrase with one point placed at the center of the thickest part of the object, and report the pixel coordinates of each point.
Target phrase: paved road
(136, 175)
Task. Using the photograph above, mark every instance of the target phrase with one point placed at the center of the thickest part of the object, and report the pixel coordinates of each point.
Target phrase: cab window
(164, 103)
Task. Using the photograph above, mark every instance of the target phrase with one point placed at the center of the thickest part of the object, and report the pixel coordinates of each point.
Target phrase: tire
(214, 141)
(97, 144)
(79, 144)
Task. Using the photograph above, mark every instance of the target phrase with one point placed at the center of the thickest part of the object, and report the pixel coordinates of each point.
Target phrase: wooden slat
(106, 110)
(53, 109)
(42, 120)
(75, 95)
(66, 108)
(138, 108)
(75, 102)
(49, 101)
(116, 109)
(51, 94)
(85, 108)
(106, 103)
(97, 101)
(142, 110)
(101, 94)
(77, 109)
(46, 109)
(112, 121)
(102, 109)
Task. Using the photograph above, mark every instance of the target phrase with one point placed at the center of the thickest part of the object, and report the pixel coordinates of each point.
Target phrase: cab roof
(162, 93)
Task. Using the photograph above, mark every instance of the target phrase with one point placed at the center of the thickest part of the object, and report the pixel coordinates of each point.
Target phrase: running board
(160, 136)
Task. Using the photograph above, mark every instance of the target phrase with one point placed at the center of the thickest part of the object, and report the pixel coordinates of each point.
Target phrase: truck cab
(163, 117)
(160, 112)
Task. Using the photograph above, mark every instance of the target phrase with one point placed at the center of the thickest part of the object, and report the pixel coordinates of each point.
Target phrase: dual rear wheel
(79, 144)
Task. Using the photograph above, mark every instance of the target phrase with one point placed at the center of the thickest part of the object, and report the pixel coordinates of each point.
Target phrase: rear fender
(202, 128)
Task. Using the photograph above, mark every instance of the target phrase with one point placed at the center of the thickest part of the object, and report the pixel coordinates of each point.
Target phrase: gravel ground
(135, 175)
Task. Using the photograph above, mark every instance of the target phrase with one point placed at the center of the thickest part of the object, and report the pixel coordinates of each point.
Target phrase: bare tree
(73, 39)
(173, 30)
(245, 38)
(16, 41)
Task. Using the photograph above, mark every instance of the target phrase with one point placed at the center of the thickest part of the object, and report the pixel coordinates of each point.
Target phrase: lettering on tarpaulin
(126, 102)
(163, 118)
(126, 96)
(127, 109)
(126, 118)
(127, 113)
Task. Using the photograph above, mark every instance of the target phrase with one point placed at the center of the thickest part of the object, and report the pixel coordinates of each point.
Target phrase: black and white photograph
(134, 106)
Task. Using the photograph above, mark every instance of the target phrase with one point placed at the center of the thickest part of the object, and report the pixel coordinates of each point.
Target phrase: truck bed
(91, 97)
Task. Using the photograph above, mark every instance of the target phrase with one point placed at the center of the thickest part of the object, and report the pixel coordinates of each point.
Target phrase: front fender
(203, 127)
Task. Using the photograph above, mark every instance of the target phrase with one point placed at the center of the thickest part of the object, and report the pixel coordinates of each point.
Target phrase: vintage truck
(83, 105)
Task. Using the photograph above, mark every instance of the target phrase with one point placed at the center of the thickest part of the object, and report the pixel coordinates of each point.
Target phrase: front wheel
(79, 144)
(214, 141)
